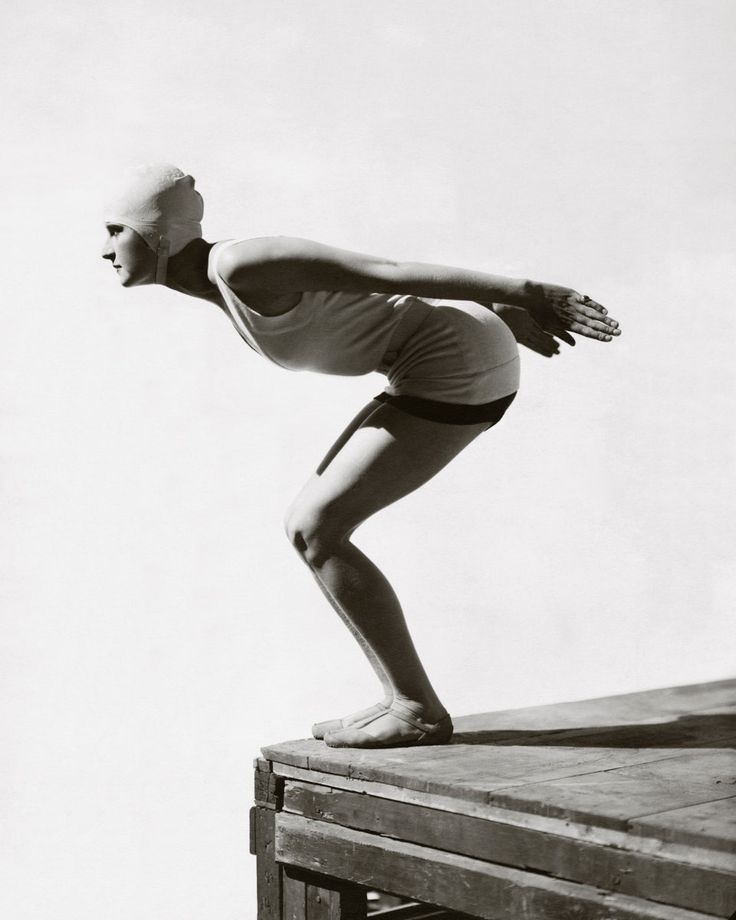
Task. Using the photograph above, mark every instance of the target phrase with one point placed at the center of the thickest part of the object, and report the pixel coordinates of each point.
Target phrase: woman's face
(131, 256)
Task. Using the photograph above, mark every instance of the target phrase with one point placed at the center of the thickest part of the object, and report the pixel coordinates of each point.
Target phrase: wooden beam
(719, 859)
(268, 872)
(481, 889)
(606, 867)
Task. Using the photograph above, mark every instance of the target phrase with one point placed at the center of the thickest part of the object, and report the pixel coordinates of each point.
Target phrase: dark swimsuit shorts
(450, 413)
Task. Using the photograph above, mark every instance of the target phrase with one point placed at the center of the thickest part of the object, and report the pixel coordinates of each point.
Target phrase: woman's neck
(187, 272)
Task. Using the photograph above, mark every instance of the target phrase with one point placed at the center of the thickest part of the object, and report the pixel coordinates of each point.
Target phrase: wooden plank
(519, 726)
(481, 889)
(268, 789)
(342, 903)
(711, 824)
(643, 876)
(308, 896)
(610, 711)
(495, 756)
(472, 773)
(318, 903)
(613, 798)
(690, 854)
(294, 898)
(268, 872)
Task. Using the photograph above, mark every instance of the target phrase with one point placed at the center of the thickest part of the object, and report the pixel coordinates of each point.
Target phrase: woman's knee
(314, 533)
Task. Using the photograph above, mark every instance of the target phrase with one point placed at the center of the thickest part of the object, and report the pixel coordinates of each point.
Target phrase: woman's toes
(320, 729)
(350, 738)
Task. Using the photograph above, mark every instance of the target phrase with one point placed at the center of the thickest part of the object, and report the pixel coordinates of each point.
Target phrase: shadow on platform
(701, 731)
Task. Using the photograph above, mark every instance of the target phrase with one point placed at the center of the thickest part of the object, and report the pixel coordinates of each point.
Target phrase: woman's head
(160, 204)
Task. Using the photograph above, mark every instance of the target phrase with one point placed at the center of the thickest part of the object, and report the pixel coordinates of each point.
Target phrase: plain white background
(157, 626)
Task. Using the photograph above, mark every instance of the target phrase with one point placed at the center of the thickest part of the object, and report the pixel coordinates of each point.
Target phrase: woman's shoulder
(242, 255)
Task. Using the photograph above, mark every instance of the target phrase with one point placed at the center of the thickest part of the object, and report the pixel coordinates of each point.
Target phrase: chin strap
(162, 259)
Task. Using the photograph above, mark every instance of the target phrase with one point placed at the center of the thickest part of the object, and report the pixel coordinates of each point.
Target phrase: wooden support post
(269, 875)
(293, 894)
(269, 880)
(308, 896)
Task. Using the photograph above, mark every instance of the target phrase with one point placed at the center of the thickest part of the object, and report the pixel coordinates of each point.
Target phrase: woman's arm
(288, 264)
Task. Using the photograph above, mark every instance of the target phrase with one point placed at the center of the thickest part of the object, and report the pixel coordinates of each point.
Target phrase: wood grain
(607, 867)
(268, 873)
(493, 751)
(613, 798)
(618, 808)
(711, 824)
(481, 889)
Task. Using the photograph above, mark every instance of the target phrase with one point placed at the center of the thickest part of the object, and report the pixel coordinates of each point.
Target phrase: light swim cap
(160, 203)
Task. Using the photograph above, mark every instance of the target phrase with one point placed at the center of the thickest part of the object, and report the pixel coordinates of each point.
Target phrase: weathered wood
(697, 715)
(460, 883)
(309, 896)
(615, 808)
(498, 750)
(347, 903)
(471, 773)
(625, 872)
(700, 856)
(319, 905)
(268, 789)
(612, 798)
(711, 824)
(268, 872)
(294, 898)
(646, 706)
(252, 831)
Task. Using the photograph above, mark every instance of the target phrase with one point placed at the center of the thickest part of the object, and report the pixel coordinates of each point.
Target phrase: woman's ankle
(429, 709)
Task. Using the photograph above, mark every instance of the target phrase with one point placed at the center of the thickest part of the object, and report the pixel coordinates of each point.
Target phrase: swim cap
(159, 202)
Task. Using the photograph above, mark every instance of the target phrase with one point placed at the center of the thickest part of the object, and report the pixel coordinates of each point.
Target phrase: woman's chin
(128, 280)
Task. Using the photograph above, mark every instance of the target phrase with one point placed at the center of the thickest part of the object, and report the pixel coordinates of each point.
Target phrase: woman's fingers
(546, 344)
(594, 331)
(591, 313)
(561, 311)
(589, 302)
(590, 320)
(562, 334)
(597, 325)
(541, 343)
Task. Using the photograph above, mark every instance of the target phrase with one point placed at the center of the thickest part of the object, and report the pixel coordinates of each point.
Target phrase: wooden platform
(620, 808)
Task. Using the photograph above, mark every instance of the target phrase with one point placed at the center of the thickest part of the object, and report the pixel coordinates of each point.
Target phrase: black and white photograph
(367, 460)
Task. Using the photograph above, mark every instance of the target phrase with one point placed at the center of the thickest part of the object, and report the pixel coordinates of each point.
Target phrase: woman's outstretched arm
(289, 264)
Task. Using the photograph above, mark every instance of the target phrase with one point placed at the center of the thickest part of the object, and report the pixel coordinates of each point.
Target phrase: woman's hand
(558, 310)
(527, 332)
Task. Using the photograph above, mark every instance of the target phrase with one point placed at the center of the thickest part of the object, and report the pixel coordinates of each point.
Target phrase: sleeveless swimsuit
(454, 362)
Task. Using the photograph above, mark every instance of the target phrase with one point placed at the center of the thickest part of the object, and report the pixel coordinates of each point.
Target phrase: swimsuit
(444, 360)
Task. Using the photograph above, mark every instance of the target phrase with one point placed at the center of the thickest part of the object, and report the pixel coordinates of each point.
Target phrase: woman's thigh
(383, 455)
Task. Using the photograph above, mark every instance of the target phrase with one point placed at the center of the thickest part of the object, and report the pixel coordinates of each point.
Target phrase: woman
(453, 370)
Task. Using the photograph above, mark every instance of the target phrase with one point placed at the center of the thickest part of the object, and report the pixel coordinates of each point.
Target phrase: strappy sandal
(320, 729)
(421, 733)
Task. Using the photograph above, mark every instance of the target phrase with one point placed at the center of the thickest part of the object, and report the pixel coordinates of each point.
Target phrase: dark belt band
(450, 413)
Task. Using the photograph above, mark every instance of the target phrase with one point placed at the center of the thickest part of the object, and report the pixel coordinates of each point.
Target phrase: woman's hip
(460, 353)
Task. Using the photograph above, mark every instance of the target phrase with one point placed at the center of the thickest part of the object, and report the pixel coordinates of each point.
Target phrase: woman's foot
(320, 729)
(400, 726)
